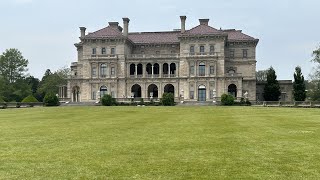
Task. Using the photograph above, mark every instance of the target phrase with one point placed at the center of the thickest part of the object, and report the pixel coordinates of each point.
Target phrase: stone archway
(169, 88)
(232, 90)
(136, 91)
(153, 91)
(76, 94)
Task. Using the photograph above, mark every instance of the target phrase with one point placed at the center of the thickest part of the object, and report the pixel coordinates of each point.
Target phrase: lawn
(160, 143)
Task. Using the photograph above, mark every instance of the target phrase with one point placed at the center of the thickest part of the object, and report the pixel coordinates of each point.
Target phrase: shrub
(1, 100)
(51, 99)
(167, 99)
(227, 100)
(29, 98)
(107, 100)
(141, 102)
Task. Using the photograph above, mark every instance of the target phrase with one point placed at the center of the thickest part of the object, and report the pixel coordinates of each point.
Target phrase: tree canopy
(272, 88)
(299, 87)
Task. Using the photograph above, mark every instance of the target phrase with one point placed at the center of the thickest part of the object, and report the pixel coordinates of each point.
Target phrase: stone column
(195, 69)
(152, 70)
(160, 70)
(144, 70)
(136, 70)
(169, 70)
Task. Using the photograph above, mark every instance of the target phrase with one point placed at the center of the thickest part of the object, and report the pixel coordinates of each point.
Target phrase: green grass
(159, 143)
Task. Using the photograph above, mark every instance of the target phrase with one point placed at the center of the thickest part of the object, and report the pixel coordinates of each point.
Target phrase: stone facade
(199, 64)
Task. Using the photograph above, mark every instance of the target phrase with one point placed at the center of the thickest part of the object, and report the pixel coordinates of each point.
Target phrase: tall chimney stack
(83, 31)
(204, 22)
(126, 26)
(183, 23)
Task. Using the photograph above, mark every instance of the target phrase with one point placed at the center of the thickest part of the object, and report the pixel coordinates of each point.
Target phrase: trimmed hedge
(108, 100)
(51, 99)
(167, 99)
(227, 100)
(30, 99)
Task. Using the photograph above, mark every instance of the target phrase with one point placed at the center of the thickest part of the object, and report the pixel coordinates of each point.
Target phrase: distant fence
(307, 104)
(19, 104)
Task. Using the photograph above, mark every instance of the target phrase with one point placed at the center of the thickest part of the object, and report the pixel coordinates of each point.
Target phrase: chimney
(183, 23)
(126, 26)
(204, 21)
(114, 24)
(83, 31)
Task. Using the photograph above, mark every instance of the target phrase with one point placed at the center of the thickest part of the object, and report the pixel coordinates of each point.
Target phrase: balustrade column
(168, 70)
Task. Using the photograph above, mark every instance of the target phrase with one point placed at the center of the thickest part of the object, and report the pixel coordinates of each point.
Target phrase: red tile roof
(169, 36)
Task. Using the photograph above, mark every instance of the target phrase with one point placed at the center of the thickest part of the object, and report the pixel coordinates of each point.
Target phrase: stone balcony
(153, 56)
(100, 56)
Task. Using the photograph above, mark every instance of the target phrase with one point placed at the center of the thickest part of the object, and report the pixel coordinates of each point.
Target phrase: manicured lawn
(159, 143)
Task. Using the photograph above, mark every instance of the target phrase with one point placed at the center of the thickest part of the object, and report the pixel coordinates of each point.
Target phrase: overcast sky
(45, 30)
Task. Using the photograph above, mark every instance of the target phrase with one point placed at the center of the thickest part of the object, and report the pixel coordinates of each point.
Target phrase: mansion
(197, 64)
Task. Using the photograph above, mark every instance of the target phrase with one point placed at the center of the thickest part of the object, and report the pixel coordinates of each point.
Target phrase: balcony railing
(233, 74)
(204, 54)
(101, 56)
(143, 56)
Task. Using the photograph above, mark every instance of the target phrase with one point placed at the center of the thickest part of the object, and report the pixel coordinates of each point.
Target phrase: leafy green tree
(261, 75)
(272, 88)
(34, 83)
(51, 100)
(299, 87)
(12, 65)
(314, 83)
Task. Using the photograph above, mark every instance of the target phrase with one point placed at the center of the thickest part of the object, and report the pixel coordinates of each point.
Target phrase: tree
(314, 83)
(51, 100)
(34, 83)
(12, 65)
(108, 100)
(299, 87)
(50, 82)
(272, 88)
(261, 75)
(167, 99)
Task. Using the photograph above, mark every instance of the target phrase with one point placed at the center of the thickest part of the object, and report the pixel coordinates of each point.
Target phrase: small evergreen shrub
(227, 100)
(108, 100)
(51, 99)
(167, 99)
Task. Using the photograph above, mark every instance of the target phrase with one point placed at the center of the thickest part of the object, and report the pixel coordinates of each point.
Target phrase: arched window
(232, 90)
(153, 91)
(103, 70)
(202, 69)
(136, 91)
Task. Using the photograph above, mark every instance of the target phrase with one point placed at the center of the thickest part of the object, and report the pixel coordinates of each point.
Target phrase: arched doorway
(169, 88)
(232, 90)
(202, 93)
(76, 94)
(103, 91)
(136, 91)
(153, 91)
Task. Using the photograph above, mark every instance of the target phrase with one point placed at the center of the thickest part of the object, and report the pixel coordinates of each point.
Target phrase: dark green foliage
(299, 87)
(227, 100)
(167, 99)
(272, 88)
(1, 100)
(141, 102)
(314, 90)
(29, 98)
(107, 100)
(51, 100)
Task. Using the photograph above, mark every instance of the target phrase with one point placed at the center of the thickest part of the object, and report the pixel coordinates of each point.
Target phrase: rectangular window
(94, 51)
(112, 94)
(201, 50)
(211, 94)
(94, 95)
(113, 71)
(113, 51)
(103, 51)
(94, 71)
(202, 69)
(211, 69)
(191, 50)
(191, 70)
(191, 94)
(211, 50)
(231, 53)
(244, 53)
